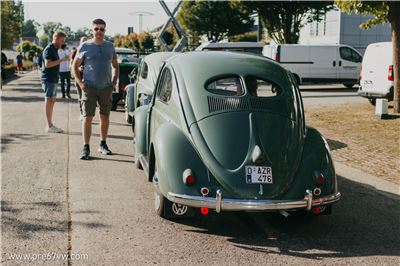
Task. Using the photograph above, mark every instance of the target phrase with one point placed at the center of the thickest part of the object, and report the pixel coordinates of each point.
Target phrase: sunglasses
(99, 29)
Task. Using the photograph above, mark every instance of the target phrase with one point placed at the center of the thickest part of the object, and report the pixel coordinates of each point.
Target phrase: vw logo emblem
(179, 209)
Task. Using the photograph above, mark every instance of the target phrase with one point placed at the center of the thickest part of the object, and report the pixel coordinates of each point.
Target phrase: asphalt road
(101, 211)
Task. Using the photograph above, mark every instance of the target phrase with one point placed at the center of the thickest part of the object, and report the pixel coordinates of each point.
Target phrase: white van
(376, 78)
(318, 63)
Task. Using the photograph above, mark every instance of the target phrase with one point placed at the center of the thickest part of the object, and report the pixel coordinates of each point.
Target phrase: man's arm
(75, 71)
(116, 72)
(49, 63)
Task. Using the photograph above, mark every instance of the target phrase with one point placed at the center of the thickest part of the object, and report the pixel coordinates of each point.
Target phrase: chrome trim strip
(218, 203)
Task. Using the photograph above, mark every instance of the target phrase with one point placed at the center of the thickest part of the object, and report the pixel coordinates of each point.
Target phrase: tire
(372, 101)
(349, 86)
(164, 208)
(115, 100)
(128, 118)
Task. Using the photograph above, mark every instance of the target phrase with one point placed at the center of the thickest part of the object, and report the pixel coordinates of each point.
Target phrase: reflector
(204, 211)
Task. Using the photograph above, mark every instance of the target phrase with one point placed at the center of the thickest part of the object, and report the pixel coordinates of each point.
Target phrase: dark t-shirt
(50, 74)
(19, 59)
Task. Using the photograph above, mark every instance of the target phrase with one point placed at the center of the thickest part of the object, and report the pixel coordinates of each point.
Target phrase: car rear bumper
(219, 203)
(373, 94)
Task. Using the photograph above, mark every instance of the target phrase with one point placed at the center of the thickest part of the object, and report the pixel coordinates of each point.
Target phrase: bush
(9, 70)
(27, 65)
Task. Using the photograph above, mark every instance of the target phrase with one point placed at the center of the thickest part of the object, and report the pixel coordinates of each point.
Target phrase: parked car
(226, 132)
(141, 91)
(127, 63)
(318, 63)
(376, 78)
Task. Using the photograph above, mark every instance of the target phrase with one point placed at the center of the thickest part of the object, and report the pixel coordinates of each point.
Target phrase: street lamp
(140, 14)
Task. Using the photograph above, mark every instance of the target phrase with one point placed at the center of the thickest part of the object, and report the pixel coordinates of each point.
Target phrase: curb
(366, 179)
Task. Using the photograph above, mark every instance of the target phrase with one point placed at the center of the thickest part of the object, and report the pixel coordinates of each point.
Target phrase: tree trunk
(395, 24)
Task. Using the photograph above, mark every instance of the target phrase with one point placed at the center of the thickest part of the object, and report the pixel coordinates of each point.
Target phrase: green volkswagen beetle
(226, 132)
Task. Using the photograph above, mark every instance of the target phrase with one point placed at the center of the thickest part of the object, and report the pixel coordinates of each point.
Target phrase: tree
(216, 19)
(283, 20)
(146, 40)
(383, 12)
(24, 46)
(30, 28)
(12, 18)
(44, 40)
(50, 27)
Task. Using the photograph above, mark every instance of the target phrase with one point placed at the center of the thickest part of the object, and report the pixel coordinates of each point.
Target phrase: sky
(80, 13)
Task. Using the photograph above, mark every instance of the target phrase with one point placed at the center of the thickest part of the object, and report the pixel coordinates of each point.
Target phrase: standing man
(80, 77)
(49, 77)
(65, 72)
(97, 83)
(20, 59)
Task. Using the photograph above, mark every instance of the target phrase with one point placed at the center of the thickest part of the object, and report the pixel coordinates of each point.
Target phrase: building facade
(341, 28)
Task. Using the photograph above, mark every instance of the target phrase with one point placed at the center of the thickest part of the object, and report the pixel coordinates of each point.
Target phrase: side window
(356, 57)
(228, 86)
(261, 88)
(144, 71)
(345, 53)
(165, 91)
(350, 55)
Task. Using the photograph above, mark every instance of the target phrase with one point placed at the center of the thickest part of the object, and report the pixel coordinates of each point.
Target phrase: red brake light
(316, 210)
(320, 180)
(204, 211)
(188, 177)
(390, 74)
(190, 180)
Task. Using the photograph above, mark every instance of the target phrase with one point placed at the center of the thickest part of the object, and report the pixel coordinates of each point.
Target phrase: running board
(145, 164)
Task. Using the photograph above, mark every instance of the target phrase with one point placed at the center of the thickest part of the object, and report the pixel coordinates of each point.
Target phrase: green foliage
(11, 22)
(168, 37)
(247, 37)
(283, 20)
(29, 49)
(379, 9)
(147, 41)
(24, 46)
(44, 40)
(216, 19)
(30, 28)
(50, 27)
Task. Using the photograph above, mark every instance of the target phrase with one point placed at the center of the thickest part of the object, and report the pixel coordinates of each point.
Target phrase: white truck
(376, 79)
(318, 63)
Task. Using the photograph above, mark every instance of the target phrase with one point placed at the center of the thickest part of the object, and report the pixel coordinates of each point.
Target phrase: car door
(159, 113)
(349, 64)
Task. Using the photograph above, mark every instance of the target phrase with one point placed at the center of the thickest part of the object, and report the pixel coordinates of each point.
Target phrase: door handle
(340, 63)
(334, 63)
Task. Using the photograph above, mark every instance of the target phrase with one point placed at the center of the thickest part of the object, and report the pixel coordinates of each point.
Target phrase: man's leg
(87, 129)
(104, 124)
(49, 106)
(68, 77)
(62, 79)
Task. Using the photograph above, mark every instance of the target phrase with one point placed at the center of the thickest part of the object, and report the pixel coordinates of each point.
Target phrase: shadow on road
(364, 223)
(22, 219)
(335, 144)
(17, 138)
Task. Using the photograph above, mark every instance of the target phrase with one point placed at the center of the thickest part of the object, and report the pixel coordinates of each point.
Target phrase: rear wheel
(372, 101)
(165, 208)
(349, 86)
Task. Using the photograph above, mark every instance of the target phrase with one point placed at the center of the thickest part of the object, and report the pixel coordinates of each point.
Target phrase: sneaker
(104, 149)
(85, 153)
(54, 129)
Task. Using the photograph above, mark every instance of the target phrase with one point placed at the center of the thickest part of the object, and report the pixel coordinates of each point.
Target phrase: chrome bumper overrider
(218, 203)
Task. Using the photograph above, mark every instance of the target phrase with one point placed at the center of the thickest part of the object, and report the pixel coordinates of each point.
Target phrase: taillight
(188, 177)
(390, 74)
(204, 211)
(278, 54)
(320, 180)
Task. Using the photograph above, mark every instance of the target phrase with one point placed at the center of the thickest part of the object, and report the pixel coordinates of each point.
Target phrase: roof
(231, 45)
(123, 50)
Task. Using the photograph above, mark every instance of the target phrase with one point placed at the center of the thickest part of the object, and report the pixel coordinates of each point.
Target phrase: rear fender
(130, 97)
(174, 154)
(140, 116)
(316, 159)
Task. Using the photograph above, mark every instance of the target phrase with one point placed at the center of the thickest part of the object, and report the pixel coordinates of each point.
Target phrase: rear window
(261, 88)
(229, 86)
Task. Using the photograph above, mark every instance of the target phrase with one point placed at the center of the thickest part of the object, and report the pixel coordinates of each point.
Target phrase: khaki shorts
(90, 98)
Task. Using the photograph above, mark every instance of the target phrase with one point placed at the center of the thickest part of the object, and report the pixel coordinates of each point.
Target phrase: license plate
(258, 175)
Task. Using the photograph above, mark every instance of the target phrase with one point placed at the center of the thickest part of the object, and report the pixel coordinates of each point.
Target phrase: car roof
(154, 62)
(123, 50)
